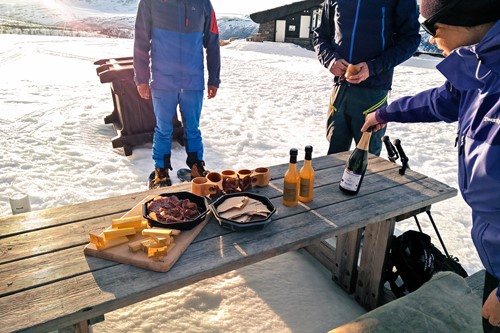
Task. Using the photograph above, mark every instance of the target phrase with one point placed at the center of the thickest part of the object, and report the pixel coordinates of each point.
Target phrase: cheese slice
(144, 225)
(161, 232)
(111, 243)
(127, 222)
(112, 233)
(135, 245)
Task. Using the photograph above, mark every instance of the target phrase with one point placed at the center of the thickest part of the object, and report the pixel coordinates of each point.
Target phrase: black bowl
(184, 225)
(241, 226)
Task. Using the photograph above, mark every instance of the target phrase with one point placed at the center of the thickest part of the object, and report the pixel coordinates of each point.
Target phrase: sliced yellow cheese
(98, 240)
(113, 233)
(126, 224)
(146, 243)
(161, 231)
(135, 245)
(135, 218)
(111, 243)
(144, 225)
(157, 252)
(161, 240)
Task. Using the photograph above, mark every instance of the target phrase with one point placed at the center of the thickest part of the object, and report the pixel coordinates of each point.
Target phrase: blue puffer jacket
(382, 33)
(173, 33)
(471, 96)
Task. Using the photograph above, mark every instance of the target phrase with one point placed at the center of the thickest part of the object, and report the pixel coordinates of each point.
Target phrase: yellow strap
(375, 107)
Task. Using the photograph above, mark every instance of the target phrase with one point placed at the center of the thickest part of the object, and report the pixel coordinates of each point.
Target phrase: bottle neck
(364, 142)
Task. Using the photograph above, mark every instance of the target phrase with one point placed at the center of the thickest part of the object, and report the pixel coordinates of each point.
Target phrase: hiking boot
(198, 170)
(159, 178)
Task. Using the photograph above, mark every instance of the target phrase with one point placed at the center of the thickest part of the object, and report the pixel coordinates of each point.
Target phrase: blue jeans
(346, 115)
(165, 104)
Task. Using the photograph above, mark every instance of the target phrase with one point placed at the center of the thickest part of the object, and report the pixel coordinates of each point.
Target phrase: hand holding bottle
(371, 121)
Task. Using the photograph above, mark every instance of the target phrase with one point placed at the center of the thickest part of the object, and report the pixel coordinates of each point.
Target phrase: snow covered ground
(56, 148)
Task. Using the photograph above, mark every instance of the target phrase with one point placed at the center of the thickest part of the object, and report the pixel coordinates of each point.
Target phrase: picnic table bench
(48, 283)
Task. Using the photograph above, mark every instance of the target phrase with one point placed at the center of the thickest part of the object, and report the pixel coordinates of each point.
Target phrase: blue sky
(246, 7)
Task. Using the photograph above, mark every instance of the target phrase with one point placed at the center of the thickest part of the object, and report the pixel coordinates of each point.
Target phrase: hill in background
(105, 18)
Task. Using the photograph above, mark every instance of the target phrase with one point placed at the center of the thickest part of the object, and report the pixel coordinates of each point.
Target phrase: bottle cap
(309, 149)
(294, 151)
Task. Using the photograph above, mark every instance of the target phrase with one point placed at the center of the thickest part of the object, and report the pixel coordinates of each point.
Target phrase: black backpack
(413, 259)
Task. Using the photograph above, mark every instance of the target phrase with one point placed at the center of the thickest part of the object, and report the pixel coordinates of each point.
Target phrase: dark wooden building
(291, 23)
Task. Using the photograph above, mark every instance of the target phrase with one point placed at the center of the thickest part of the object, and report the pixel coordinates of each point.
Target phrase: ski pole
(404, 158)
(393, 154)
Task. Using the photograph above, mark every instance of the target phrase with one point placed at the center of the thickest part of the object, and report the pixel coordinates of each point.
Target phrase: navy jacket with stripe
(382, 33)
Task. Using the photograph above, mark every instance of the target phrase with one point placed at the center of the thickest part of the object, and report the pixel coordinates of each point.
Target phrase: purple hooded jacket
(471, 96)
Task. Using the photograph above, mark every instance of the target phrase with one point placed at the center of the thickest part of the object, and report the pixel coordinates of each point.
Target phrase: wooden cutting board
(123, 255)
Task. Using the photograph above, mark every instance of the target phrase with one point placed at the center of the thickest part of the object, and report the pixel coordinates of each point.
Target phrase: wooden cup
(228, 174)
(202, 187)
(215, 178)
(260, 177)
(245, 179)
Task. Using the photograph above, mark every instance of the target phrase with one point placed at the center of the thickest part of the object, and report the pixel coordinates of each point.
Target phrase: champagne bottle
(355, 166)
(306, 177)
(291, 186)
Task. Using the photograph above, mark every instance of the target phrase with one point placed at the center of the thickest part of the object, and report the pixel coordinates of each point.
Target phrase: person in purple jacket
(468, 33)
(170, 36)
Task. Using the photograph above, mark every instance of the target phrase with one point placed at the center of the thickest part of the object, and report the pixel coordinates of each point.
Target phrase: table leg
(376, 243)
(346, 259)
(83, 327)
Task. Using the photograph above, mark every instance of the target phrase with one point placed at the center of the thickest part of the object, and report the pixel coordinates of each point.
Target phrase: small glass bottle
(291, 181)
(306, 177)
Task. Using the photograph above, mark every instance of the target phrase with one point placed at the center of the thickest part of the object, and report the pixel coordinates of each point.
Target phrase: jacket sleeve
(212, 46)
(323, 38)
(406, 39)
(433, 105)
(142, 42)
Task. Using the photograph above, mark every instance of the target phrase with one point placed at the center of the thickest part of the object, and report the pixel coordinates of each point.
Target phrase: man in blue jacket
(374, 35)
(168, 62)
(468, 33)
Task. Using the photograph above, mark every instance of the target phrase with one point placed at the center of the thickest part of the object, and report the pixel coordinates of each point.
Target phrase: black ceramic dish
(241, 226)
(184, 225)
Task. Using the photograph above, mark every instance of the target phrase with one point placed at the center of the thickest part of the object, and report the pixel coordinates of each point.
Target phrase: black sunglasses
(428, 24)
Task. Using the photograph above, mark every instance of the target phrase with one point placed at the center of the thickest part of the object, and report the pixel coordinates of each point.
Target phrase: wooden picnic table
(48, 283)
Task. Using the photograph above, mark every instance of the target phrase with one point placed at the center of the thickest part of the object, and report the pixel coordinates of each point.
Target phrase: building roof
(279, 12)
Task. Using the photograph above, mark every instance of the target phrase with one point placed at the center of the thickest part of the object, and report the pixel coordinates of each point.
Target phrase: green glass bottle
(355, 166)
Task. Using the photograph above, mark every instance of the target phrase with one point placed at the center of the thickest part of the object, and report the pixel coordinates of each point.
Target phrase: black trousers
(490, 283)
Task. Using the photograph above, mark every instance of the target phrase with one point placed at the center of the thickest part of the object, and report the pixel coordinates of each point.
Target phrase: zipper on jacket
(461, 158)
(353, 35)
(383, 28)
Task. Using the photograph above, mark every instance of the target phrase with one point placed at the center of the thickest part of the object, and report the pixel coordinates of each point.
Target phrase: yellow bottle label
(290, 191)
(305, 187)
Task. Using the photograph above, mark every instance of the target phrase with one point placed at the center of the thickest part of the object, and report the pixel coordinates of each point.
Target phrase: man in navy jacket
(374, 35)
(468, 33)
(170, 36)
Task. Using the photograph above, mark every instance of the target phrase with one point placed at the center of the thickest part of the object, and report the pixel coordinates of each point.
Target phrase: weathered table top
(47, 282)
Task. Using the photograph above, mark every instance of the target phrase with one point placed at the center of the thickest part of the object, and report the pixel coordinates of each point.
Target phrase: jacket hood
(475, 63)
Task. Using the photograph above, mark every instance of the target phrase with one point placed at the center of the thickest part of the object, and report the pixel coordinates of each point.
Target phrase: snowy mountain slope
(112, 18)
